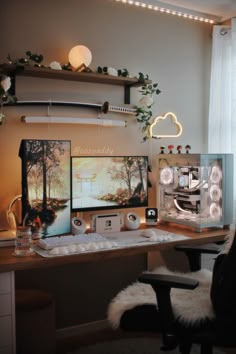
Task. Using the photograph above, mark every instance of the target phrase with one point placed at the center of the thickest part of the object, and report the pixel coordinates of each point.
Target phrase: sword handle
(106, 107)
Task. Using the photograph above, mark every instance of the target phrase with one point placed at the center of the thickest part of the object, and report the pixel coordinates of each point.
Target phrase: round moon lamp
(80, 57)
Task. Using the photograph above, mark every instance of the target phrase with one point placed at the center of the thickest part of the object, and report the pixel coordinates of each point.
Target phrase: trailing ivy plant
(5, 96)
(31, 58)
(148, 90)
(111, 71)
(144, 108)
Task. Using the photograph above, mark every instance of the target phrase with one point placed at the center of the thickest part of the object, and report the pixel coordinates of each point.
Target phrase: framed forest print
(45, 168)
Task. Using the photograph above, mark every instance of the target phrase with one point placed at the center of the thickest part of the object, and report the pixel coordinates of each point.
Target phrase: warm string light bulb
(169, 11)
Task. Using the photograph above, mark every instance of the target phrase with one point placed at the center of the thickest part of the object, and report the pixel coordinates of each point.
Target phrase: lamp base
(83, 68)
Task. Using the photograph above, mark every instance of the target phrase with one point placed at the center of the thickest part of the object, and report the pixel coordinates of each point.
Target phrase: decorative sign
(174, 121)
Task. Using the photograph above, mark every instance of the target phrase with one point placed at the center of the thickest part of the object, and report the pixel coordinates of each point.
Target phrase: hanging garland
(144, 108)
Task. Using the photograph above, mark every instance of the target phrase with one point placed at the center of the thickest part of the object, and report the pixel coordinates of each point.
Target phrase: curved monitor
(106, 182)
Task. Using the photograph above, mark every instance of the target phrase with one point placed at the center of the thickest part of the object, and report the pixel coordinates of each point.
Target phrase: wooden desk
(9, 264)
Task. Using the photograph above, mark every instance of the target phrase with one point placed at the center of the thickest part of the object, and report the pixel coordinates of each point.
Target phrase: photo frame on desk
(45, 168)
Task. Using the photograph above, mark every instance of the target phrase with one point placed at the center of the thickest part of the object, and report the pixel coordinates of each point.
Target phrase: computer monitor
(45, 170)
(106, 182)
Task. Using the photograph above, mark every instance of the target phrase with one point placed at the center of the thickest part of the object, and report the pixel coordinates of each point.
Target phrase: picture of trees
(104, 182)
(46, 186)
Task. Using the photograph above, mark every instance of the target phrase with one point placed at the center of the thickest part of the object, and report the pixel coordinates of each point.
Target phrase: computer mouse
(148, 233)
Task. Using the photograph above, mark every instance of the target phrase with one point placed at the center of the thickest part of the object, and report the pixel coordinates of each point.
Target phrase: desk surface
(9, 262)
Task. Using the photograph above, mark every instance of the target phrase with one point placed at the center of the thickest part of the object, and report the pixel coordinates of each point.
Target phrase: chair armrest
(195, 252)
(210, 248)
(168, 281)
(162, 285)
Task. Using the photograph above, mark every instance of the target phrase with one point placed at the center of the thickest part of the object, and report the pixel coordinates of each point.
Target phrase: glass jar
(23, 241)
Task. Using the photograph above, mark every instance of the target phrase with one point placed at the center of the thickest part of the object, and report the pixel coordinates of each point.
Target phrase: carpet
(132, 346)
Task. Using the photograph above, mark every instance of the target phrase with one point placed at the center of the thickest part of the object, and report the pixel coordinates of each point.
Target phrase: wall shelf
(27, 70)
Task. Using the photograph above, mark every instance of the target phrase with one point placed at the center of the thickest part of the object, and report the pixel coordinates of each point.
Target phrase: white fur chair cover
(189, 305)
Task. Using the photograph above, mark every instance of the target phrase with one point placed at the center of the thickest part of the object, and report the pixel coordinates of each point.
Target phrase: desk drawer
(7, 313)
(5, 283)
(6, 331)
(5, 305)
(6, 350)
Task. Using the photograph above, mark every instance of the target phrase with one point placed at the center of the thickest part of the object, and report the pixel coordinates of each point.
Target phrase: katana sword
(104, 108)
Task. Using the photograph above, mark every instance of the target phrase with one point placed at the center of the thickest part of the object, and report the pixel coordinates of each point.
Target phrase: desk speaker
(78, 226)
(132, 221)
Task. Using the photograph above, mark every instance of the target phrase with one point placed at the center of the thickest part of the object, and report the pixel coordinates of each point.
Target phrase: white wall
(174, 52)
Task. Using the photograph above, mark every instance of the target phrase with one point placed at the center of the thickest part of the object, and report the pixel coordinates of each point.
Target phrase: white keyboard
(93, 242)
(66, 240)
(138, 237)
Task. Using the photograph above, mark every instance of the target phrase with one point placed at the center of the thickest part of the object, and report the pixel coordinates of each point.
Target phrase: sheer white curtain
(222, 109)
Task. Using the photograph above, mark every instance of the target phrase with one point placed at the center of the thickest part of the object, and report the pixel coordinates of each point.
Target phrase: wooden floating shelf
(47, 73)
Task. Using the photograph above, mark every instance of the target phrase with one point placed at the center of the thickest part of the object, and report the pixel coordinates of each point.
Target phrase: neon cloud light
(174, 121)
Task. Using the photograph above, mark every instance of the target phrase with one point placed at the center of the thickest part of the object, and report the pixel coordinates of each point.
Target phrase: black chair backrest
(223, 291)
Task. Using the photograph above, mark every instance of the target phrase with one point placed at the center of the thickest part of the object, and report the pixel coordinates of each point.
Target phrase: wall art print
(45, 167)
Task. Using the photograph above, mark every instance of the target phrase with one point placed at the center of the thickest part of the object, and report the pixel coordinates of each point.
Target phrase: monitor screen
(105, 182)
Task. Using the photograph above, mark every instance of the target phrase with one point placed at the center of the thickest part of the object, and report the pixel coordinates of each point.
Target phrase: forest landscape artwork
(101, 182)
(46, 186)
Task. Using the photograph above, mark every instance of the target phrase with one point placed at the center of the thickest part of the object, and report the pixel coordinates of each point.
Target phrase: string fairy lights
(173, 10)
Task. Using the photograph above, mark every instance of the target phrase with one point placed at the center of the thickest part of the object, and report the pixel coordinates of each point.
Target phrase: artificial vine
(144, 112)
(5, 96)
(144, 109)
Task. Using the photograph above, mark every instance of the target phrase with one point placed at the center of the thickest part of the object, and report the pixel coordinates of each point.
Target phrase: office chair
(134, 308)
(220, 330)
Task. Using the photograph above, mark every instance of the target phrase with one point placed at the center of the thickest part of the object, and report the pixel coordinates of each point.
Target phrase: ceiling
(224, 9)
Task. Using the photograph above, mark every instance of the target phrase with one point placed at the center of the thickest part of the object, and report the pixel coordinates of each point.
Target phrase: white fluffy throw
(189, 306)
